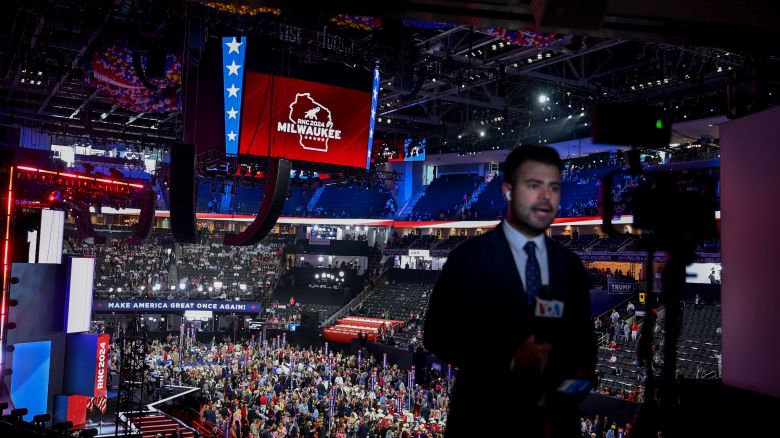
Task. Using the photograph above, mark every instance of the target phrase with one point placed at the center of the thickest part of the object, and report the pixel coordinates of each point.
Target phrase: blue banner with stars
(233, 54)
(374, 99)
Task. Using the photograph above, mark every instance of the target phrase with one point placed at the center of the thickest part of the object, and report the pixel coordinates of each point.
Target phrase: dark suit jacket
(477, 317)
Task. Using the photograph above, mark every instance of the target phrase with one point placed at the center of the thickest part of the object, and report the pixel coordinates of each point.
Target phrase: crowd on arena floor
(286, 391)
(248, 390)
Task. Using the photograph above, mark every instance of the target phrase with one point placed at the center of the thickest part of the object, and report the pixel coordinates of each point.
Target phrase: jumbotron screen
(399, 150)
(302, 120)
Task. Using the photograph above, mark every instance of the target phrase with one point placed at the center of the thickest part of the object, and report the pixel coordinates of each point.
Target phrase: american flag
(100, 403)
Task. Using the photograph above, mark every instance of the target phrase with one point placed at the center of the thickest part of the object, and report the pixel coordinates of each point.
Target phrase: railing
(202, 426)
(312, 205)
(348, 307)
(358, 300)
(710, 375)
(591, 244)
(188, 390)
(475, 194)
(407, 208)
(625, 244)
(280, 267)
(606, 314)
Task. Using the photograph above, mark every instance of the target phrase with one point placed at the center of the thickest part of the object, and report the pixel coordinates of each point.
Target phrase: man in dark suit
(514, 359)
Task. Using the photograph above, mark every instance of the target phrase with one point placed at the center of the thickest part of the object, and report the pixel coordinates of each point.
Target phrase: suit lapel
(554, 265)
(504, 261)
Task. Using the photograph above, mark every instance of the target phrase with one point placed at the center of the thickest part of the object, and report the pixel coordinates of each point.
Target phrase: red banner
(306, 121)
(101, 365)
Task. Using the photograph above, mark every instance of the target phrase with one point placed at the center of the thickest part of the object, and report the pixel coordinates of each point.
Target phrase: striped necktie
(533, 275)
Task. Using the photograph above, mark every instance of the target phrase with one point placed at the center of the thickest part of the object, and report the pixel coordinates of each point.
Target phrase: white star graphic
(376, 93)
(370, 132)
(376, 74)
(232, 113)
(234, 45)
(373, 113)
(233, 68)
(232, 90)
(232, 136)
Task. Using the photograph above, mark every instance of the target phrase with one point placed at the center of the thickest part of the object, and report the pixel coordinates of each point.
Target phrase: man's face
(536, 194)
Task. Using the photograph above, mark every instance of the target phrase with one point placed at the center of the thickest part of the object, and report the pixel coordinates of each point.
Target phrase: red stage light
(6, 264)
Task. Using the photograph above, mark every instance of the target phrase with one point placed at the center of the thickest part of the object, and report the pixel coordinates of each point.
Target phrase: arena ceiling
(463, 85)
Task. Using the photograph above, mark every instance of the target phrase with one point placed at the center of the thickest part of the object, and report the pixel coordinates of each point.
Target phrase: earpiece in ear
(508, 196)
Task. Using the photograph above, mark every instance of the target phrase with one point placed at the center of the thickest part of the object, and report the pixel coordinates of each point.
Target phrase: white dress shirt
(517, 241)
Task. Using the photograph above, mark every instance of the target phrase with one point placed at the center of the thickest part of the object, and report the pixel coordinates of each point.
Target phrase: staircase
(164, 202)
(474, 196)
(173, 276)
(314, 198)
(227, 197)
(625, 245)
(407, 209)
(151, 425)
(591, 244)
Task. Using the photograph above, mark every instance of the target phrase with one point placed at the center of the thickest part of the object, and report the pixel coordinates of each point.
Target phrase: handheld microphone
(548, 313)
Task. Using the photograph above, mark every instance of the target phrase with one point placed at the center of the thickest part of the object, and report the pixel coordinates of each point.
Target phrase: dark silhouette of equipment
(277, 179)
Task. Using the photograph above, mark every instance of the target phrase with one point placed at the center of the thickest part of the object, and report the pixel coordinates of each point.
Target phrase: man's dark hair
(529, 152)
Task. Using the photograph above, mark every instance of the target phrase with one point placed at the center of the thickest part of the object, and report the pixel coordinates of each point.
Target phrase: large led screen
(52, 226)
(399, 150)
(388, 151)
(705, 273)
(414, 149)
(79, 312)
(30, 377)
(303, 120)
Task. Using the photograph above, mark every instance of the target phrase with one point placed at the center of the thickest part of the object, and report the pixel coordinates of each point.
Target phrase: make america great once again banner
(176, 306)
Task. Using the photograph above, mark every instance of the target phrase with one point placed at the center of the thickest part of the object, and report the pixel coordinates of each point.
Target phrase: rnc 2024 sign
(176, 306)
(303, 120)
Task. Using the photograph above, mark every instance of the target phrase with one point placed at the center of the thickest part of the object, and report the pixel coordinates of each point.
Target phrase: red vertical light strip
(6, 266)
